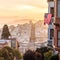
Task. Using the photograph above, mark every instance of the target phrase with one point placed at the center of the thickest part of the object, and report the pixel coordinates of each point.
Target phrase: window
(58, 38)
(52, 11)
(51, 33)
(58, 8)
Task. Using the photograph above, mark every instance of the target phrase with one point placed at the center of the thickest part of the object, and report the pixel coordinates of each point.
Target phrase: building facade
(13, 43)
(36, 34)
(57, 24)
(51, 25)
(29, 32)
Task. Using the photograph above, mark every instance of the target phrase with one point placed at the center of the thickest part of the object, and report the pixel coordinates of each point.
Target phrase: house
(51, 25)
(57, 24)
(12, 42)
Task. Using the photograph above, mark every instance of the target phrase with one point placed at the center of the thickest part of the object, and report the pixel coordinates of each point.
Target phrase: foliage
(1, 58)
(43, 49)
(29, 55)
(47, 55)
(45, 52)
(54, 57)
(18, 54)
(50, 56)
(8, 53)
(0, 53)
(5, 32)
(10, 50)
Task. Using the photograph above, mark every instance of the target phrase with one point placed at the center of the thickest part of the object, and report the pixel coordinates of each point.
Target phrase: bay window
(51, 33)
(58, 8)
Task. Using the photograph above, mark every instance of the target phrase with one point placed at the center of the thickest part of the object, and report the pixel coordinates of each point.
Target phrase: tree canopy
(5, 32)
(9, 53)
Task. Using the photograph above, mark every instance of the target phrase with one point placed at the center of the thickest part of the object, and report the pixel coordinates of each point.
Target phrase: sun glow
(25, 7)
(18, 10)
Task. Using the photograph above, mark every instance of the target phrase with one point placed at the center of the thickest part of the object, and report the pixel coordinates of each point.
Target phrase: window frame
(51, 34)
(58, 38)
(51, 11)
(58, 9)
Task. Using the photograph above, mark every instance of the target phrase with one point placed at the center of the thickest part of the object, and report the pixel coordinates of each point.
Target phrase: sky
(21, 11)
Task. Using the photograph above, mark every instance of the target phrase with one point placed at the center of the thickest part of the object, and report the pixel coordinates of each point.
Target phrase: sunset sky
(21, 11)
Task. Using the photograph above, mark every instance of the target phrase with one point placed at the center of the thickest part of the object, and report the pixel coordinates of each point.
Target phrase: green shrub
(1, 58)
(55, 57)
(9, 53)
(47, 55)
(44, 49)
(18, 54)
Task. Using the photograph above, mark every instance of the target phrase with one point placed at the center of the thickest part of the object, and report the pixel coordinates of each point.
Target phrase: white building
(23, 34)
(4, 43)
(41, 32)
(12, 42)
(51, 25)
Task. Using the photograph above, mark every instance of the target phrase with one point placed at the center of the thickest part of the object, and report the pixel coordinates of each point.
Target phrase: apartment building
(12, 42)
(57, 24)
(51, 25)
(41, 33)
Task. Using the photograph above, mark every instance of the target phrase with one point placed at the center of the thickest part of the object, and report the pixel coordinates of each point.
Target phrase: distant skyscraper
(32, 36)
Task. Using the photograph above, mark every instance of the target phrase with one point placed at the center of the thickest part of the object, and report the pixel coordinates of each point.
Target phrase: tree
(9, 53)
(17, 54)
(5, 54)
(5, 32)
(29, 55)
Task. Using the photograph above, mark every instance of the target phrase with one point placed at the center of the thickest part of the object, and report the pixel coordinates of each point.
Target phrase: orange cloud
(14, 10)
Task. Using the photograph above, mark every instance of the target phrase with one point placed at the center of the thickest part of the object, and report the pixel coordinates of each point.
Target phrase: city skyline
(21, 11)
